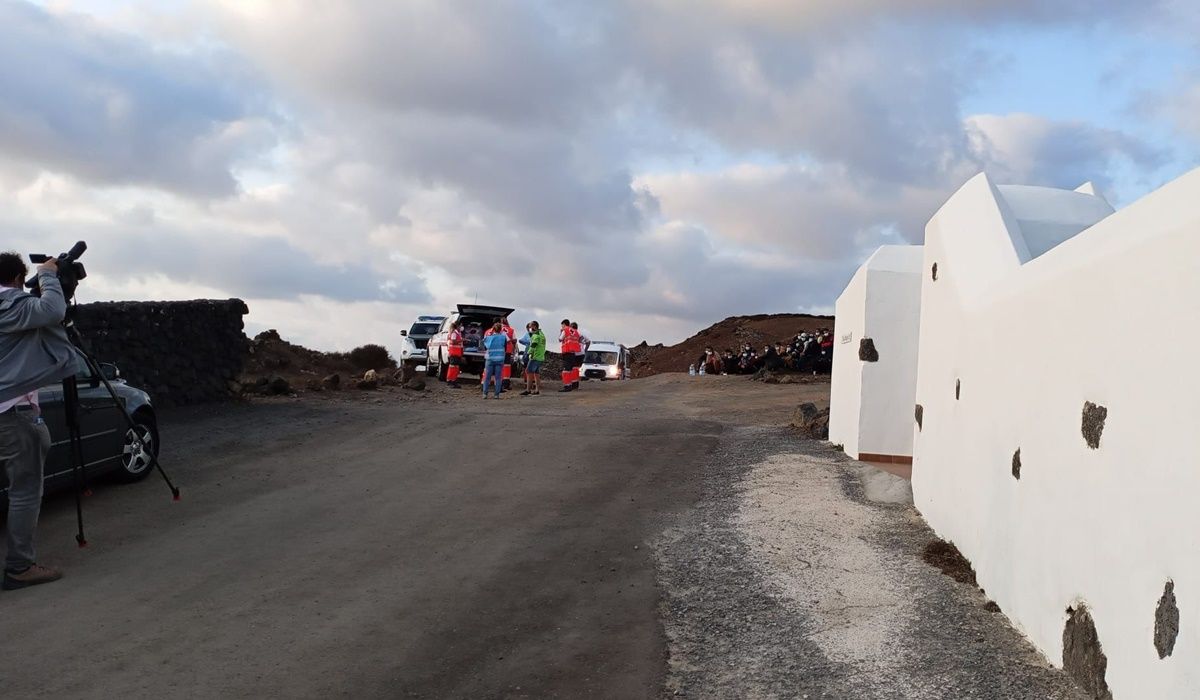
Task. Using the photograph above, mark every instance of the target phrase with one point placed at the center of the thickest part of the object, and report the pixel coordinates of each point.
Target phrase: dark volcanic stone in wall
(180, 352)
(1166, 622)
(1093, 423)
(1083, 657)
(867, 351)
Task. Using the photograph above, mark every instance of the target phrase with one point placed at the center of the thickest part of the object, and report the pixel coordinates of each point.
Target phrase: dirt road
(597, 544)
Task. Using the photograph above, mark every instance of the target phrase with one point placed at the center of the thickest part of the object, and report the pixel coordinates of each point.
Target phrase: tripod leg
(95, 368)
(71, 409)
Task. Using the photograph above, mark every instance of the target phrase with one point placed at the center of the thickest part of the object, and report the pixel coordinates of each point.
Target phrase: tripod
(70, 387)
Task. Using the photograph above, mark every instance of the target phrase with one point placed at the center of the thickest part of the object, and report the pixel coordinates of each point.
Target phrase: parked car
(605, 360)
(110, 447)
(474, 320)
(415, 342)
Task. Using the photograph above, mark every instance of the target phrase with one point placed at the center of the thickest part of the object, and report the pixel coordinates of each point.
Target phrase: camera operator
(34, 352)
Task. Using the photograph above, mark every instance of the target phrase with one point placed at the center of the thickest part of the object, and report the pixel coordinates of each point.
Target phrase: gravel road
(661, 536)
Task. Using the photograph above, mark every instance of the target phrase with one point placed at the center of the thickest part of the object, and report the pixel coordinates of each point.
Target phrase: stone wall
(180, 352)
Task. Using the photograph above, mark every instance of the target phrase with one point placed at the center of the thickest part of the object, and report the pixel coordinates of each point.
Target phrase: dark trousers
(24, 442)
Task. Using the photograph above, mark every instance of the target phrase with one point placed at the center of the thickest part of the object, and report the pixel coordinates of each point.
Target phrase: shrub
(370, 356)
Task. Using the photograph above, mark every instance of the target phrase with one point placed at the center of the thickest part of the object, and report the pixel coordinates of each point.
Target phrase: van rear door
(483, 310)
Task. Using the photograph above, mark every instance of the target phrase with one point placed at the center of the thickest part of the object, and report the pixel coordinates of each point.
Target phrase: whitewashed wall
(845, 399)
(1033, 327)
(871, 402)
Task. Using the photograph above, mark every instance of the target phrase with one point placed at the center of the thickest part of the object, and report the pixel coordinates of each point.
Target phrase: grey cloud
(820, 214)
(506, 61)
(883, 98)
(693, 280)
(821, 15)
(871, 85)
(500, 143)
(240, 265)
(1029, 149)
(533, 125)
(508, 105)
(546, 180)
(111, 109)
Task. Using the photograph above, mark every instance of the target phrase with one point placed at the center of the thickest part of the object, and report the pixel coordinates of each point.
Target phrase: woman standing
(495, 344)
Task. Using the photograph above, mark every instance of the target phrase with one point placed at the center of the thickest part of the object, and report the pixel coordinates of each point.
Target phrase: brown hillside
(731, 333)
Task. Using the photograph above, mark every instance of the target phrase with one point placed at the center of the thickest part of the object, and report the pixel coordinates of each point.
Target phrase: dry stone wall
(180, 352)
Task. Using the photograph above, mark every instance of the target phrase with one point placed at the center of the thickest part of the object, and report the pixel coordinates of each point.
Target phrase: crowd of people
(499, 344)
(806, 352)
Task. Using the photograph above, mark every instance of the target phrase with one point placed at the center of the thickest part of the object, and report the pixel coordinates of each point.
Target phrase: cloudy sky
(645, 166)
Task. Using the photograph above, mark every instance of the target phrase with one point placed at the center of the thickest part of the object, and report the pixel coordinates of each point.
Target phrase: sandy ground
(667, 536)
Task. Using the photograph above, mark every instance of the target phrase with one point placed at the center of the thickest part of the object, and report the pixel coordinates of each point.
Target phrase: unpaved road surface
(661, 536)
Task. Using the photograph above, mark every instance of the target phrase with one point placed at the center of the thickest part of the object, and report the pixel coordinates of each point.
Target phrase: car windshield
(598, 357)
(423, 329)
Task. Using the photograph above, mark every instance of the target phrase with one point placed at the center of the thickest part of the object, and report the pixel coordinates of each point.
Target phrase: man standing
(537, 355)
(34, 352)
(454, 352)
(568, 341)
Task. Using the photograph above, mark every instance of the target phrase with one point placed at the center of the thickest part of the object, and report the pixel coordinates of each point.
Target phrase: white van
(604, 360)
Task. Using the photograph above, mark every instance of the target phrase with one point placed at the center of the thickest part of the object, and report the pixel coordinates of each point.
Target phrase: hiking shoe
(525, 393)
(485, 396)
(33, 576)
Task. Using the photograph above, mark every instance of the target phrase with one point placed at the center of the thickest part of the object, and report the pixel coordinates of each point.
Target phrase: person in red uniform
(454, 348)
(581, 345)
(568, 341)
(509, 348)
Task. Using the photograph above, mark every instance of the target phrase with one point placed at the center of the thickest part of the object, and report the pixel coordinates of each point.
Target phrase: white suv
(415, 343)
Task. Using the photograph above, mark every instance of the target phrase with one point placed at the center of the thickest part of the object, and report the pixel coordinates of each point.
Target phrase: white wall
(845, 399)
(1108, 315)
(871, 402)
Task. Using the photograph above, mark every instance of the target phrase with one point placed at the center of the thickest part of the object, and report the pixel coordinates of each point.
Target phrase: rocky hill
(732, 333)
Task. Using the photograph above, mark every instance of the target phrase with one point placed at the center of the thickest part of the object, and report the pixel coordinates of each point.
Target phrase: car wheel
(429, 368)
(441, 372)
(135, 460)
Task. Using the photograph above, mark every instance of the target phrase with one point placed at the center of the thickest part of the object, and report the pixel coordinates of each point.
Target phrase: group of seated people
(806, 352)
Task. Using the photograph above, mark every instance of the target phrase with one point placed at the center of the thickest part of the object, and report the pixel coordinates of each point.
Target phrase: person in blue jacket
(495, 345)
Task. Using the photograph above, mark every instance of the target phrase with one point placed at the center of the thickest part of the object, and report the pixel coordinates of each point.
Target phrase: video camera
(70, 270)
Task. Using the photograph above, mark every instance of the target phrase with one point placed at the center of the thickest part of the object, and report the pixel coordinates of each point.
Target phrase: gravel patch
(787, 581)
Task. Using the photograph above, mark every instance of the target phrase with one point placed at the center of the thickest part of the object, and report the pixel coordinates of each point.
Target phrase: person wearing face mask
(714, 364)
(568, 341)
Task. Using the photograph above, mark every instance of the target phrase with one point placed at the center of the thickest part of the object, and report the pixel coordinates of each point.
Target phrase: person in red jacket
(454, 349)
(568, 340)
(509, 348)
(581, 346)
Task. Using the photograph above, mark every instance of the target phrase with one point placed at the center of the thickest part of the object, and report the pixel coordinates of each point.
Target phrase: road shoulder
(787, 581)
